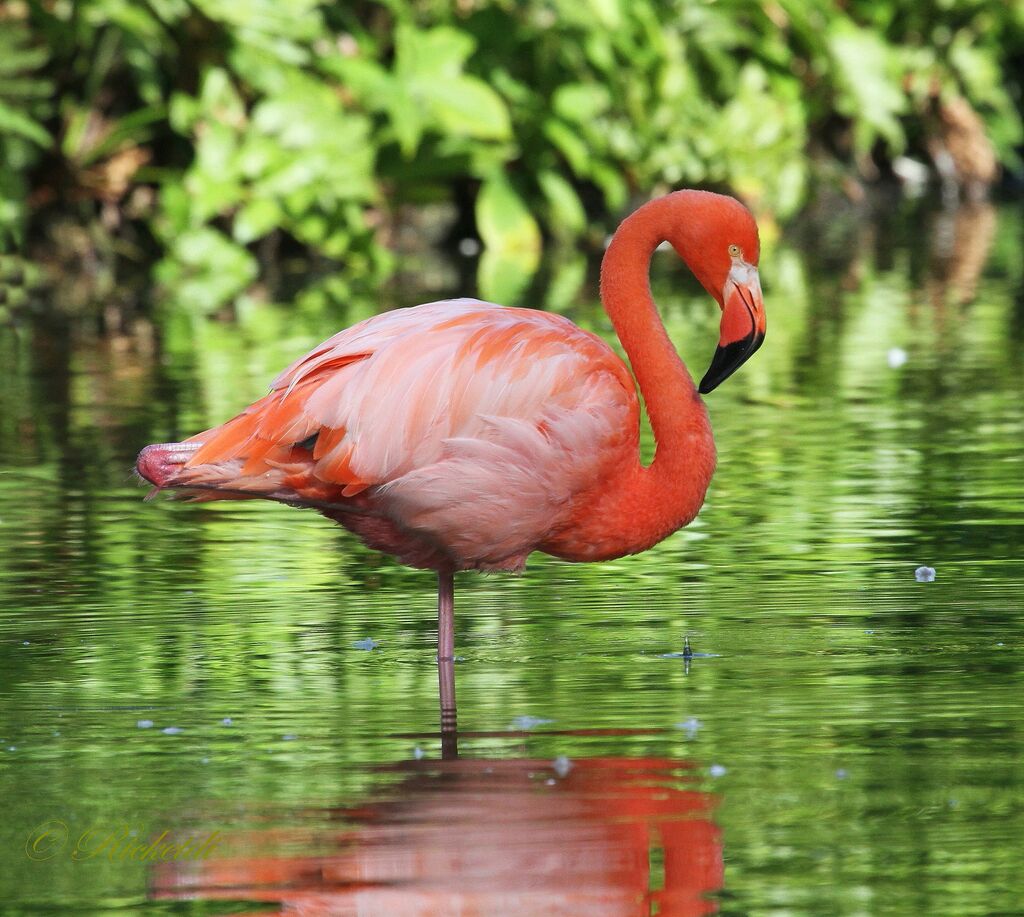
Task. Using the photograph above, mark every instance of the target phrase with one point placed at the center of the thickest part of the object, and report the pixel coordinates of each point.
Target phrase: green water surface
(848, 741)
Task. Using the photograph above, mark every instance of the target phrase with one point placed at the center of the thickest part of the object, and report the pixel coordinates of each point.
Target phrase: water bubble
(925, 574)
(529, 722)
(367, 644)
(171, 730)
(717, 770)
(144, 724)
(418, 753)
(897, 356)
(562, 765)
(289, 737)
(690, 726)
(842, 773)
(469, 247)
(227, 721)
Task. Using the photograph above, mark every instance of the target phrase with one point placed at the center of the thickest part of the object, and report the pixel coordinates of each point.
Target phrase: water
(846, 739)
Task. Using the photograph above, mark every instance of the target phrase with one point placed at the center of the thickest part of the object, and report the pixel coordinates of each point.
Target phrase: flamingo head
(719, 242)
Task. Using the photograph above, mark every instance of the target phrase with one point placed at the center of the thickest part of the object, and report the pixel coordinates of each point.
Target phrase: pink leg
(445, 616)
(446, 661)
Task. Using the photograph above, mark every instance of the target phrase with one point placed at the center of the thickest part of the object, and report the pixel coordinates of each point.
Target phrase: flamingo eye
(735, 251)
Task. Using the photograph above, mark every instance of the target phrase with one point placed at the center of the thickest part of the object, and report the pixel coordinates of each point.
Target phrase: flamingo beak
(743, 325)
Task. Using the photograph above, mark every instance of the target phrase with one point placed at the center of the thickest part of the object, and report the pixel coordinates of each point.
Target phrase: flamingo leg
(446, 661)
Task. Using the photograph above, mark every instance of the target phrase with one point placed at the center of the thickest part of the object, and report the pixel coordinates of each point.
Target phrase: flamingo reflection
(602, 836)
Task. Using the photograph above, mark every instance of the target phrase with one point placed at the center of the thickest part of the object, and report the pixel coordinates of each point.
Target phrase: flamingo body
(454, 435)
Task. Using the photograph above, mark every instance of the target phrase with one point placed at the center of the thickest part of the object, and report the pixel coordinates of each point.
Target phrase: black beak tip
(727, 360)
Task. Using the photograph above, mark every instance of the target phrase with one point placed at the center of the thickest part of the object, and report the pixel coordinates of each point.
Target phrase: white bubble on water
(529, 722)
(897, 356)
(691, 725)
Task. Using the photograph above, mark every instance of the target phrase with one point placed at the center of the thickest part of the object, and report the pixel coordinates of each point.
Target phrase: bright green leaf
(470, 107)
(255, 220)
(504, 221)
(581, 103)
(503, 276)
(567, 213)
(14, 122)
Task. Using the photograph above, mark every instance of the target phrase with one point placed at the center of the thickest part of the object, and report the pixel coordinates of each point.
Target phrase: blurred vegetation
(218, 135)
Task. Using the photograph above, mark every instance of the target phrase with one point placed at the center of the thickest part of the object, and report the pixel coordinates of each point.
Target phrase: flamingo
(463, 435)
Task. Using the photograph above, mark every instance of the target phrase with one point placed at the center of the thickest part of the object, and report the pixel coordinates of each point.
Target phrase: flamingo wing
(470, 426)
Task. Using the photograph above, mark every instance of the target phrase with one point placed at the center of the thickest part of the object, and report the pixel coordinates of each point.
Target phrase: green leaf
(608, 12)
(609, 179)
(469, 107)
(19, 59)
(504, 221)
(437, 53)
(407, 122)
(567, 214)
(580, 103)
(568, 277)
(14, 122)
(569, 143)
(220, 98)
(183, 112)
(503, 277)
(256, 219)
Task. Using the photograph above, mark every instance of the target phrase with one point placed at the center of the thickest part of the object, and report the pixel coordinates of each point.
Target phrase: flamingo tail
(167, 467)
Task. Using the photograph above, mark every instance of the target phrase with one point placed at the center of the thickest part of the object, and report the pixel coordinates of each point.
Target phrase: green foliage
(24, 103)
(309, 124)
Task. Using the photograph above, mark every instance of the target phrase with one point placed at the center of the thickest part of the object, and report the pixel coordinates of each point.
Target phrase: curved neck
(669, 493)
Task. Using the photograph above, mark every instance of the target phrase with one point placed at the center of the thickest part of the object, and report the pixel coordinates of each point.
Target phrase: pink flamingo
(461, 435)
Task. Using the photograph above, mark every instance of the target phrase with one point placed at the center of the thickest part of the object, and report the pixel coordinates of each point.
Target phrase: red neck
(641, 506)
